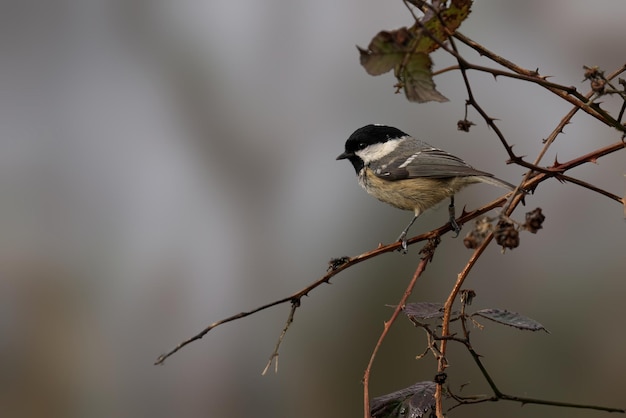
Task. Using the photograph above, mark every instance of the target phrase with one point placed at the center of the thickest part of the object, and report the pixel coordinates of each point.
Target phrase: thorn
(560, 178)
(515, 159)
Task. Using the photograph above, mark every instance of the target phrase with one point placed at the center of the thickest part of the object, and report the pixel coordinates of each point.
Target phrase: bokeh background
(165, 164)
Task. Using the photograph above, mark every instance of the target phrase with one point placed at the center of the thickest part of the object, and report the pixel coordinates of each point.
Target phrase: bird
(409, 173)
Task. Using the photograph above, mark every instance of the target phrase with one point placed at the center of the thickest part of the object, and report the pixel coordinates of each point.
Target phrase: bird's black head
(363, 138)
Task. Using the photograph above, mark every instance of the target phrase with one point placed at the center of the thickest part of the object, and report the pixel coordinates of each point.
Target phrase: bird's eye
(362, 145)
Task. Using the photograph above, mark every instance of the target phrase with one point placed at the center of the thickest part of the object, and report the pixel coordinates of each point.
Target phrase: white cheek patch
(377, 151)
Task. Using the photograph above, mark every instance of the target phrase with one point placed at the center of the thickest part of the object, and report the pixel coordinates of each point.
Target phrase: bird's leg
(402, 237)
(455, 226)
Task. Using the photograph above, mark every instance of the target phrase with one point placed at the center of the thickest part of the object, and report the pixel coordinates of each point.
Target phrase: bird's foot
(404, 247)
(455, 226)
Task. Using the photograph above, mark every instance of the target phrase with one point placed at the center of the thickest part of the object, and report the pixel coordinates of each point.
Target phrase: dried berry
(476, 236)
(596, 77)
(592, 72)
(597, 85)
(506, 235)
(534, 220)
(470, 241)
(464, 125)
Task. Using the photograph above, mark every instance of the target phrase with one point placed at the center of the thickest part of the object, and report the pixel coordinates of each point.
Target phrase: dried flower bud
(467, 296)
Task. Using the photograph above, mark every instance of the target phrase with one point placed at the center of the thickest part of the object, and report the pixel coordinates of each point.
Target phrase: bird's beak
(343, 156)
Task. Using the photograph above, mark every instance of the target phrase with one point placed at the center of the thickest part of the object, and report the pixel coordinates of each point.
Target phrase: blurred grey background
(164, 164)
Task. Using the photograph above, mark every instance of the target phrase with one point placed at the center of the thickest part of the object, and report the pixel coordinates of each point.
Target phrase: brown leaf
(386, 51)
(417, 79)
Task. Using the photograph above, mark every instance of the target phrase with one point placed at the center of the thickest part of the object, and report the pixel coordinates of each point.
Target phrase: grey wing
(430, 163)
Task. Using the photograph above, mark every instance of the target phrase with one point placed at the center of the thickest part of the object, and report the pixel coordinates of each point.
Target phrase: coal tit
(408, 173)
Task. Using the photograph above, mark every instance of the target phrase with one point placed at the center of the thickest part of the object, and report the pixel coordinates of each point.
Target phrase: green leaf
(414, 401)
(513, 319)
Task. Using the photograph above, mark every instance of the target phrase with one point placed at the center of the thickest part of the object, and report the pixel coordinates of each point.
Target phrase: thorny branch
(557, 171)
(387, 326)
(336, 266)
(581, 102)
(535, 175)
(498, 395)
(346, 263)
(570, 94)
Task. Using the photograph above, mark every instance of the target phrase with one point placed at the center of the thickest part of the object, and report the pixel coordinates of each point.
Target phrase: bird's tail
(494, 181)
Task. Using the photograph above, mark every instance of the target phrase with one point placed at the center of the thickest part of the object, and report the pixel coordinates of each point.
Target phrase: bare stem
(387, 326)
(274, 355)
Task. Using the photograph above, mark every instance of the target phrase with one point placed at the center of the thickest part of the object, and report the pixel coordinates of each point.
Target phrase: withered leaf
(414, 401)
(407, 51)
(417, 79)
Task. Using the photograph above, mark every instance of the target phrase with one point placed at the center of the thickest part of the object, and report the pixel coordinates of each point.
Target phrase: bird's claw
(455, 227)
(403, 243)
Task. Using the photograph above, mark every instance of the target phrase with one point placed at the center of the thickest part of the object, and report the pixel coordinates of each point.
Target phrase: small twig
(483, 370)
(591, 156)
(621, 112)
(432, 342)
(387, 326)
(463, 65)
(397, 245)
(202, 333)
(477, 253)
(590, 187)
(296, 297)
(532, 78)
(583, 102)
(274, 355)
(569, 94)
(526, 401)
(566, 120)
(447, 311)
(498, 394)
